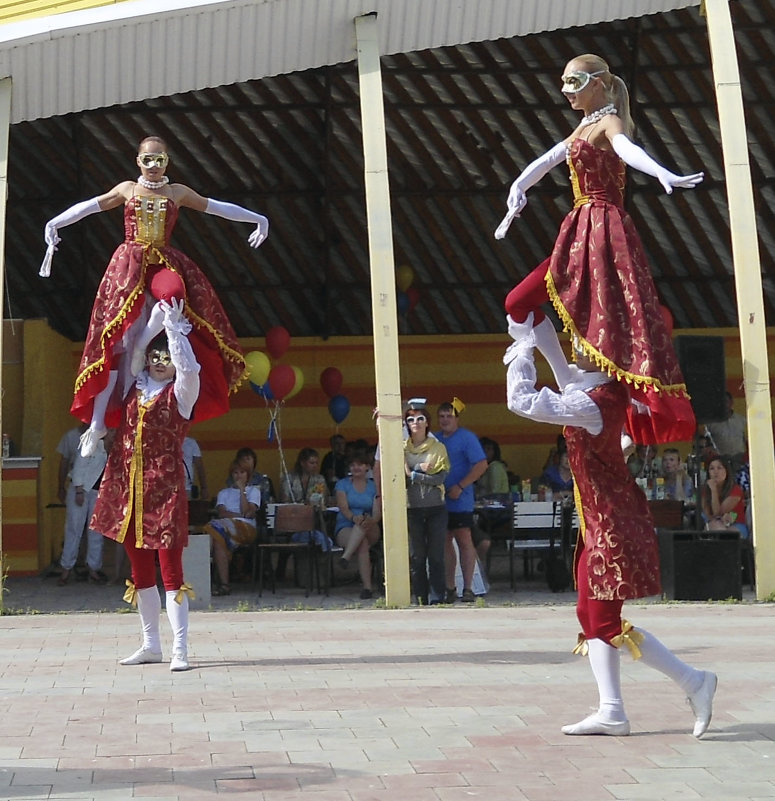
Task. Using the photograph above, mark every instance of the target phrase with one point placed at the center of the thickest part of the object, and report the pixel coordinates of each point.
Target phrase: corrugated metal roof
(462, 121)
(136, 50)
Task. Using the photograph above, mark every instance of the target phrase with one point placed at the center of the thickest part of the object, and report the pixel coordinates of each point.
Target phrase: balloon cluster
(281, 381)
(338, 405)
(408, 296)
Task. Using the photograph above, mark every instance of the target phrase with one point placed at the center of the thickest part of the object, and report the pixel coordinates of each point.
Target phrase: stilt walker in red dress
(142, 501)
(143, 270)
(616, 556)
(597, 277)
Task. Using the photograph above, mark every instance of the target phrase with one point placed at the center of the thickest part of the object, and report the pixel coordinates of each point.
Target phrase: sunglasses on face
(149, 160)
(577, 80)
(159, 357)
(420, 418)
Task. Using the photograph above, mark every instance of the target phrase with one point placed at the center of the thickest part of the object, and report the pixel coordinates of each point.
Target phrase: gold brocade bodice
(150, 219)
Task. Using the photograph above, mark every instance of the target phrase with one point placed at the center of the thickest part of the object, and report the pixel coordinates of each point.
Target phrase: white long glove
(530, 175)
(636, 156)
(231, 211)
(67, 217)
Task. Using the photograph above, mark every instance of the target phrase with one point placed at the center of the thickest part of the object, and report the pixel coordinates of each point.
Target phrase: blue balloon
(257, 388)
(402, 301)
(338, 408)
(262, 390)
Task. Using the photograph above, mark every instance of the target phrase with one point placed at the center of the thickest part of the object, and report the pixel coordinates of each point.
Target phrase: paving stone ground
(331, 702)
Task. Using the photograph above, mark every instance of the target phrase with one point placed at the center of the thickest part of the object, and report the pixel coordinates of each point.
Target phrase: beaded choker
(598, 115)
(145, 183)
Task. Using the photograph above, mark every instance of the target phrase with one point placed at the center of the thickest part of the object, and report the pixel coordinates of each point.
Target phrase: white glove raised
(174, 317)
(636, 156)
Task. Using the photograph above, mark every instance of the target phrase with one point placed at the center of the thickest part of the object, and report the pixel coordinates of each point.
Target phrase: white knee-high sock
(549, 344)
(101, 403)
(149, 607)
(177, 613)
(657, 656)
(604, 660)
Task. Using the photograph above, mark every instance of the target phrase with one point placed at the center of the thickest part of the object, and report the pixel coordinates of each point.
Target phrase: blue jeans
(427, 534)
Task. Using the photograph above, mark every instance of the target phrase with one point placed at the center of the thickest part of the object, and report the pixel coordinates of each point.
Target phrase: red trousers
(600, 620)
(143, 561)
(527, 296)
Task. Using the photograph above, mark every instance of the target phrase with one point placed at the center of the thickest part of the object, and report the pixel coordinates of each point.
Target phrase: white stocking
(153, 328)
(101, 404)
(177, 613)
(548, 343)
(604, 661)
(657, 656)
(149, 607)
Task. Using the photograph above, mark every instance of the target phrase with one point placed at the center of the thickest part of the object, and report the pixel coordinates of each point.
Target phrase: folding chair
(283, 520)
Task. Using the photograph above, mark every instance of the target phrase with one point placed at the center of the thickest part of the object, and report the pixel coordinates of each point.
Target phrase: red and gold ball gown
(120, 311)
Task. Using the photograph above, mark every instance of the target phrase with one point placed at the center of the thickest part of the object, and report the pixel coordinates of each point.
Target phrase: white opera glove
(174, 318)
(231, 211)
(67, 217)
(636, 156)
(533, 173)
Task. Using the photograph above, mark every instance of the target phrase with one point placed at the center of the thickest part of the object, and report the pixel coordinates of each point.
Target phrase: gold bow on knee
(185, 589)
(630, 637)
(130, 594)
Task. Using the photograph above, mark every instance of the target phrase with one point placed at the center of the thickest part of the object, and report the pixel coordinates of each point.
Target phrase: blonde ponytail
(620, 97)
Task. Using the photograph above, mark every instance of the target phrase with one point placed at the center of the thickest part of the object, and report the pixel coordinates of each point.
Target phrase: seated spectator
(235, 526)
(559, 477)
(495, 480)
(335, 462)
(248, 459)
(723, 501)
(304, 484)
(678, 483)
(554, 452)
(643, 462)
(357, 522)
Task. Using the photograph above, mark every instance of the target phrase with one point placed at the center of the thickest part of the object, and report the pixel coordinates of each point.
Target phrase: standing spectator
(357, 522)
(617, 558)
(142, 500)
(729, 437)
(467, 465)
(427, 465)
(236, 523)
(335, 462)
(81, 499)
(67, 449)
(195, 467)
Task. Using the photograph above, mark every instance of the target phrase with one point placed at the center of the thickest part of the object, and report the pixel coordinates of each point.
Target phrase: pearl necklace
(598, 115)
(144, 182)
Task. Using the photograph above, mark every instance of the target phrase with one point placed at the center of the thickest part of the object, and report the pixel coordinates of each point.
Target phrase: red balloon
(331, 381)
(414, 296)
(282, 379)
(277, 341)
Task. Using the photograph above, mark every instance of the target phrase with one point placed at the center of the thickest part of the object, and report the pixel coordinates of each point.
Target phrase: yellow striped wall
(29, 9)
(35, 404)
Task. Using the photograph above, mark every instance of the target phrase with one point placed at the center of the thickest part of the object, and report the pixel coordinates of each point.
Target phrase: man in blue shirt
(468, 463)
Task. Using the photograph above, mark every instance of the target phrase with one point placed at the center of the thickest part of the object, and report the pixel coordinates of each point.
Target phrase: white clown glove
(533, 173)
(636, 156)
(67, 217)
(231, 211)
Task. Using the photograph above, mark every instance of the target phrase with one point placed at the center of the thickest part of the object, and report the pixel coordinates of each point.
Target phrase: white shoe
(179, 661)
(87, 444)
(593, 725)
(142, 657)
(701, 703)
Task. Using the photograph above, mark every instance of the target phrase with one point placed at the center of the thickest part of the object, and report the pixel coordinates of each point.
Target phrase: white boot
(149, 607)
(610, 717)
(96, 430)
(548, 343)
(178, 617)
(699, 685)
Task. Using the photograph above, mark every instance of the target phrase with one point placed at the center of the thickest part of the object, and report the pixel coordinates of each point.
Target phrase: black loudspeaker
(700, 565)
(702, 363)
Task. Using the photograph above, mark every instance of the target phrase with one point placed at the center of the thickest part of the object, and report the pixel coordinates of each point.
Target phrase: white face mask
(577, 80)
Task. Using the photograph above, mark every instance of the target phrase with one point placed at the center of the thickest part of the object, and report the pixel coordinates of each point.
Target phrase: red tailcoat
(617, 531)
(143, 490)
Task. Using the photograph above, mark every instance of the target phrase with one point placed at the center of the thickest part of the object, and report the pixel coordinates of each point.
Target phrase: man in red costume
(142, 501)
(616, 557)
